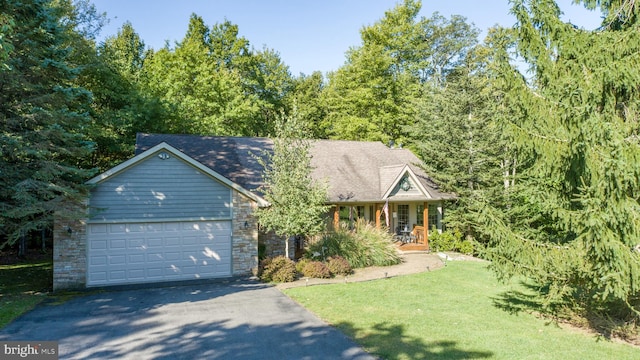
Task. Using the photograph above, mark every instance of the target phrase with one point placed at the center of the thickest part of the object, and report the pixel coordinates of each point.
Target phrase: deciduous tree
(298, 203)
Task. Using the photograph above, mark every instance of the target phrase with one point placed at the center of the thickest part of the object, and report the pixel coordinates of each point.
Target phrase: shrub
(465, 247)
(445, 241)
(364, 246)
(339, 265)
(301, 264)
(278, 269)
(450, 240)
(316, 269)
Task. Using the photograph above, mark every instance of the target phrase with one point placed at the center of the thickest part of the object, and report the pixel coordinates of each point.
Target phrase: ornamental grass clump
(363, 246)
(278, 269)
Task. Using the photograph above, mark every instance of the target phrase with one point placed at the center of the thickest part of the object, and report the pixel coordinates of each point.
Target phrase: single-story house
(182, 208)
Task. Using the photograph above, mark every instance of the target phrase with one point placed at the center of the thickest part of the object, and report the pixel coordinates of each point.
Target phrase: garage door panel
(154, 272)
(98, 229)
(120, 259)
(98, 276)
(98, 260)
(154, 257)
(148, 252)
(154, 243)
(136, 244)
(117, 228)
(137, 259)
(171, 240)
(118, 244)
(98, 245)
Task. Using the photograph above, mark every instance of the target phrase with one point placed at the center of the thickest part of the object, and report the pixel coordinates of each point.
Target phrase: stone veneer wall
(69, 255)
(245, 240)
(274, 244)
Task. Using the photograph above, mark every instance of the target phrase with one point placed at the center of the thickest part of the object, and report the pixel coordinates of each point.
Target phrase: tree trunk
(286, 247)
(22, 247)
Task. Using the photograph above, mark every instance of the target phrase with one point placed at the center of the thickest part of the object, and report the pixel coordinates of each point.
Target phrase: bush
(339, 265)
(445, 241)
(278, 269)
(301, 264)
(316, 269)
(365, 246)
(450, 240)
(465, 247)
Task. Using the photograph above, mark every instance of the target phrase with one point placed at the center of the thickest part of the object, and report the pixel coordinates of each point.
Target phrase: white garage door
(153, 252)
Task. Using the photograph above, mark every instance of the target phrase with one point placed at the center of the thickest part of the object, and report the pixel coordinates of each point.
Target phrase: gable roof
(355, 171)
(164, 147)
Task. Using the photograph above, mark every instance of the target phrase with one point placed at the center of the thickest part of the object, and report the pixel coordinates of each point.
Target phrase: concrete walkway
(412, 263)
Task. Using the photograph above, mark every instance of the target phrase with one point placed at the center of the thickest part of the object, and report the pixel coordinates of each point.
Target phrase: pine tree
(42, 119)
(572, 223)
(456, 137)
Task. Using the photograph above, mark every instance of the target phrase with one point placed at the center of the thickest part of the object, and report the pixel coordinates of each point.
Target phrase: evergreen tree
(454, 134)
(43, 115)
(572, 222)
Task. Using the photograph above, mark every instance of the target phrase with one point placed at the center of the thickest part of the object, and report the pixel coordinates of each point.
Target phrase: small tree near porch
(297, 201)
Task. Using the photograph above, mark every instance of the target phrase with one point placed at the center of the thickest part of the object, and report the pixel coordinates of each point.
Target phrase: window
(348, 213)
(403, 216)
(420, 215)
(433, 216)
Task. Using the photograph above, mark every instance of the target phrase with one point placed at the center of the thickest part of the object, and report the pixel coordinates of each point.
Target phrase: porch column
(378, 213)
(425, 221)
(336, 217)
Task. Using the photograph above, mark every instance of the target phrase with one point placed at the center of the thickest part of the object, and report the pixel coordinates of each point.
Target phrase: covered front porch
(405, 219)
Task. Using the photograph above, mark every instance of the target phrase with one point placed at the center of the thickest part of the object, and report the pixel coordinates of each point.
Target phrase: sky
(309, 35)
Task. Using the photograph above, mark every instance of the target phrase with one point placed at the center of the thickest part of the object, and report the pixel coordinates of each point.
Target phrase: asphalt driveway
(236, 319)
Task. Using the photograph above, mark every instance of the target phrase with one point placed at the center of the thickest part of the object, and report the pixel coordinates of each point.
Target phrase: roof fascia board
(414, 177)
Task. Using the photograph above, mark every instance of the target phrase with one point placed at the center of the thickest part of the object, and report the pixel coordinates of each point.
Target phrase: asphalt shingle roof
(356, 171)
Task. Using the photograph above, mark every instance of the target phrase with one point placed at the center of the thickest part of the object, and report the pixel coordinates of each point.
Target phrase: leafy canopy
(297, 200)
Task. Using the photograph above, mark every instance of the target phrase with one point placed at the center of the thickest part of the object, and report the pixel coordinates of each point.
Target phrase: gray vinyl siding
(157, 189)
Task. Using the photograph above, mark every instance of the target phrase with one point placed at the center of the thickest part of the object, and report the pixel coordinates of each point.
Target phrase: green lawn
(458, 312)
(23, 286)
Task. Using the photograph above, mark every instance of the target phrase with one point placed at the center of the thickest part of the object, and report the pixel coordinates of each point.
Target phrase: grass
(22, 287)
(458, 312)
